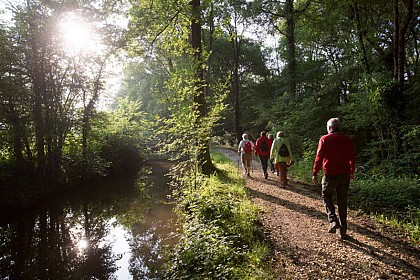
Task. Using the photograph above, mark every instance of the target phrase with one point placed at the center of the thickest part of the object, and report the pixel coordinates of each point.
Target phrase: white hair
(334, 123)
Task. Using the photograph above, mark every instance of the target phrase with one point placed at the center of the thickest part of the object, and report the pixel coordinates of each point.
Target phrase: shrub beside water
(220, 236)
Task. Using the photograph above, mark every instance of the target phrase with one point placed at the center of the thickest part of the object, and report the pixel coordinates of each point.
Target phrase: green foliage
(190, 114)
(302, 169)
(408, 222)
(384, 144)
(220, 237)
(118, 137)
(344, 69)
(393, 200)
(378, 193)
(142, 82)
(123, 154)
(76, 170)
(49, 92)
(114, 144)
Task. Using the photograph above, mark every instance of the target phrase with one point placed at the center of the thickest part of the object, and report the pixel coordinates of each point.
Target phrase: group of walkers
(335, 156)
(275, 151)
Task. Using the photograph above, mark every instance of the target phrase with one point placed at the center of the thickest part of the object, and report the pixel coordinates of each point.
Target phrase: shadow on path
(400, 258)
(303, 209)
(384, 257)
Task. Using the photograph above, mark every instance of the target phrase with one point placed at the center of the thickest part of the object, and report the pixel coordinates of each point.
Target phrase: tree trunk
(401, 23)
(203, 156)
(89, 106)
(235, 85)
(360, 35)
(291, 46)
(39, 92)
(87, 112)
(17, 137)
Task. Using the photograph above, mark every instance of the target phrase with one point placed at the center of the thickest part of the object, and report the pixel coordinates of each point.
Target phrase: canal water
(117, 229)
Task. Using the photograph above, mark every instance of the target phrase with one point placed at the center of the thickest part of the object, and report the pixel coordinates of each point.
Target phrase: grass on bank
(220, 236)
(391, 200)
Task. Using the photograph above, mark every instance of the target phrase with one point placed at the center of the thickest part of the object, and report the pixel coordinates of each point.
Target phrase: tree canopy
(195, 71)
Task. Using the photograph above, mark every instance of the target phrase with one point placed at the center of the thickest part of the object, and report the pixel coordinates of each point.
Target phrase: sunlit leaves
(220, 237)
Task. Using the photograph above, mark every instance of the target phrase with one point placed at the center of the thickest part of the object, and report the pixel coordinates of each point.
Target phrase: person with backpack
(262, 150)
(282, 156)
(335, 155)
(245, 149)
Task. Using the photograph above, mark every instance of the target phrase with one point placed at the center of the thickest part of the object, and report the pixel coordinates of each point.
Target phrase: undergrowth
(394, 201)
(220, 236)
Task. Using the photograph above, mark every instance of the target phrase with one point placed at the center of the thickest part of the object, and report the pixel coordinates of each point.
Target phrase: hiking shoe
(342, 235)
(333, 227)
(266, 175)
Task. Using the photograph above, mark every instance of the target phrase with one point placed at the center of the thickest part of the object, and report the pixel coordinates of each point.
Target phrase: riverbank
(220, 236)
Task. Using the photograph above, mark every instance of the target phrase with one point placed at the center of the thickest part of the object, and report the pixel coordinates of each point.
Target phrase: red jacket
(258, 143)
(335, 155)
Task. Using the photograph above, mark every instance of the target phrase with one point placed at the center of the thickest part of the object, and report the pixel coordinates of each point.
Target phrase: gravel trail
(296, 224)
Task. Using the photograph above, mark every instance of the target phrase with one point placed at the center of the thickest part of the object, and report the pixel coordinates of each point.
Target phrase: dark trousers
(264, 163)
(272, 166)
(338, 184)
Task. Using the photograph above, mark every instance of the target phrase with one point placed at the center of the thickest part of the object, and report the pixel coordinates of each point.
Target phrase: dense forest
(192, 71)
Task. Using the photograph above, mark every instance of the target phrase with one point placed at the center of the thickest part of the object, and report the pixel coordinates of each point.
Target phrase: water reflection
(116, 231)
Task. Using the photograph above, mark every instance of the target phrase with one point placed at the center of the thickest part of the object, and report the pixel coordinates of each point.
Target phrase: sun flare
(77, 35)
(82, 245)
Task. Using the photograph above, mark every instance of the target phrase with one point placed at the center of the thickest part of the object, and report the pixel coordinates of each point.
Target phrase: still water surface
(113, 230)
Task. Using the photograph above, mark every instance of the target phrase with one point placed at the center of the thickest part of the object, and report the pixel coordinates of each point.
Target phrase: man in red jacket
(335, 155)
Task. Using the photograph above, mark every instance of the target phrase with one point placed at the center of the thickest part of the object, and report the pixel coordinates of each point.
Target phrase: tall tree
(51, 80)
(199, 97)
(174, 38)
(403, 12)
(230, 20)
(288, 11)
(14, 103)
(230, 53)
(38, 75)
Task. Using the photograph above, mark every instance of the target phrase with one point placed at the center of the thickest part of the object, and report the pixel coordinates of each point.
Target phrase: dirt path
(295, 221)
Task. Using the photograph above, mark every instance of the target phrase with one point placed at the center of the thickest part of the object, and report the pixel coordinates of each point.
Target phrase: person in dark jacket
(336, 157)
(262, 150)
